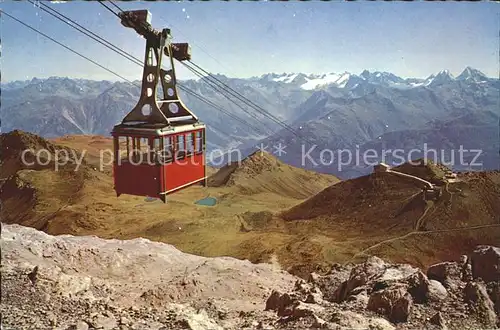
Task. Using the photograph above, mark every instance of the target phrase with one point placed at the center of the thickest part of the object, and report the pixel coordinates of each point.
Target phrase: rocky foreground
(68, 282)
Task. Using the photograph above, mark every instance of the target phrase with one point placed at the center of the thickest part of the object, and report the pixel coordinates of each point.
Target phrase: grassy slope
(263, 212)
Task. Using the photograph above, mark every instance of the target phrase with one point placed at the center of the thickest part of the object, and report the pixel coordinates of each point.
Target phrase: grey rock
(280, 302)
(493, 289)
(438, 320)
(395, 303)
(448, 273)
(418, 286)
(301, 310)
(359, 276)
(319, 323)
(352, 320)
(436, 291)
(314, 298)
(124, 320)
(477, 296)
(485, 261)
(103, 322)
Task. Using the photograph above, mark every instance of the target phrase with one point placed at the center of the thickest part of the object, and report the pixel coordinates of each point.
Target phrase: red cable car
(159, 147)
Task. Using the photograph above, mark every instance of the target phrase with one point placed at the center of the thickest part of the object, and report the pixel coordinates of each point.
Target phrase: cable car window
(129, 142)
(160, 141)
(146, 151)
(145, 145)
(167, 143)
(203, 139)
(164, 151)
(193, 143)
(189, 144)
(168, 147)
(123, 148)
(156, 144)
(136, 143)
(155, 150)
(140, 150)
(199, 142)
(181, 150)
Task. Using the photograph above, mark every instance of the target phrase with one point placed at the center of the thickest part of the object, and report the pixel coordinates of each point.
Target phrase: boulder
(493, 289)
(395, 303)
(448, 273)
(438, 320)
(329, 283)
(282, 303)
(308, 292)
(314, 298)
(352, 320)
(319, 323)
(301, 310)
(485, 262)
(374, 274)
(436, 291)
(199, 320)
(477, 296)
(103, 322)
(358, 299)
(418, 286)
(360, 275)
(423, 290)
(314, 278)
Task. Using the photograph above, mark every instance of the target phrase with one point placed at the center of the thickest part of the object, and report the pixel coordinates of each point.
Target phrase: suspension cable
(111, 10)
(130, 57)
(116, 6)
(68, 48)
(248, 102)
(89, 33)
(218, 89)
(116, 74)
(202, 49)
(223, 93)
(252, 104)
(234, 92)
(190, 91)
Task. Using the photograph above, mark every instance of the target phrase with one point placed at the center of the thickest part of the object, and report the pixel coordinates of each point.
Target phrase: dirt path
(418, 223)
(363, 252)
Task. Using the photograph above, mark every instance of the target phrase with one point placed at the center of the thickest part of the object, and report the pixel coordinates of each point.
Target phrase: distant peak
(472, 74)
(445, 72)
(219, 75)
(442, 77)
(365, 74)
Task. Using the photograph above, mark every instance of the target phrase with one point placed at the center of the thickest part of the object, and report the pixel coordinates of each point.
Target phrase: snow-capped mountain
(338, 80)
(382, 109)
(347, 80)
(442, 77)
(472, 75)
(338, 110)
(308, 81)
(382, 78)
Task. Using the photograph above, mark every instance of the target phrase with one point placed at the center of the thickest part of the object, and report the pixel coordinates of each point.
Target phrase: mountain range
(370, 110)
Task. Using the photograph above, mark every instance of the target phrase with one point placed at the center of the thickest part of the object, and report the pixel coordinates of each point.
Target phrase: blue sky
(243, 39)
